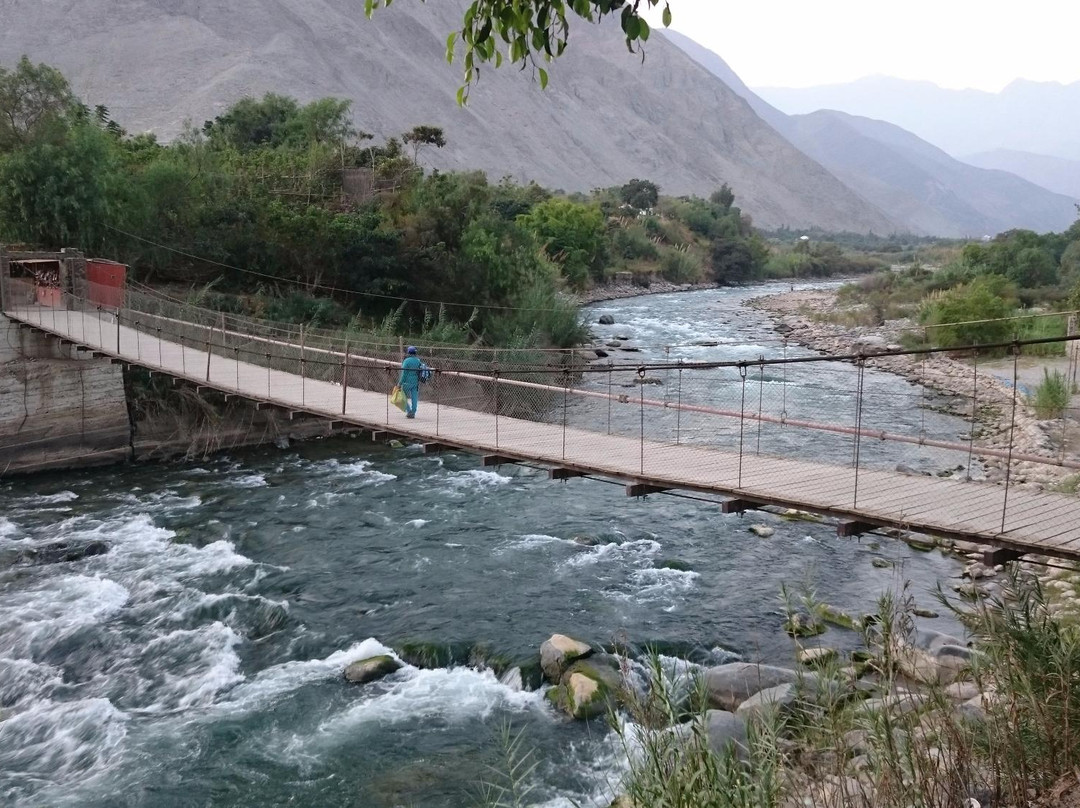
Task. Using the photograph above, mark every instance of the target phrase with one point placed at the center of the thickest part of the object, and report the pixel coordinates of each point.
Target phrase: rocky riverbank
(618, 291)
(912, 683)
(802, 316)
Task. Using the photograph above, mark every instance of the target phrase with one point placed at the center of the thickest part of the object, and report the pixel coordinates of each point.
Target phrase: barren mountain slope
(604, 119)
(922, 187)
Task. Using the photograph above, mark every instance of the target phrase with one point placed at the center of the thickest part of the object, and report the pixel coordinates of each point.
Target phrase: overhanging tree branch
(522, 30)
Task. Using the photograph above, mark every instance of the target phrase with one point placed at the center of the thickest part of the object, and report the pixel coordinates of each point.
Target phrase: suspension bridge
(712, 429)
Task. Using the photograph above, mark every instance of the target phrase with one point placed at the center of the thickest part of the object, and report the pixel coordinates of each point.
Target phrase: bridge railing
(845, 411)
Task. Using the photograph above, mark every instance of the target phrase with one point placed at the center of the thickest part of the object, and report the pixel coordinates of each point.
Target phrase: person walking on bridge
(409, 380)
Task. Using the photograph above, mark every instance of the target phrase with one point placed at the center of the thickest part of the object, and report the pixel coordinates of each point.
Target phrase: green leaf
(461, 96)
(543, 78)
(498, 59)
(667, 16)
(369, 7)
(643, 29)
(450, 40)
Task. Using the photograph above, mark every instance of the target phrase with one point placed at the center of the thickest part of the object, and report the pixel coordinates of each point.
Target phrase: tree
(33, 99)
(278, 120)
(60, 193)
(424, 135)
(533, 28)
(724, 197)
(573, 235)
(640, 194)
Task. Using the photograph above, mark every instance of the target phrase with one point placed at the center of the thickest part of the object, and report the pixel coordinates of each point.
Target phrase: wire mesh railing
(992, 421)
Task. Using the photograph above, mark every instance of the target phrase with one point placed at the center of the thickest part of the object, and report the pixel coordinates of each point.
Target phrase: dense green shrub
(632, 243)
(971, 314)
(680, 267)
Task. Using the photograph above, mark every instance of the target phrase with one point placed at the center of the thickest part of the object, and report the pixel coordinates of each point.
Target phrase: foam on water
(249, 481)
(7, 527)
(54, 608)
(532, 541)
(357, 469)
(279, 680)
(637, 551)
(477, 478)
(196, 664)
(415, 523)
(51, 499)
(448, 695)
(59, 742)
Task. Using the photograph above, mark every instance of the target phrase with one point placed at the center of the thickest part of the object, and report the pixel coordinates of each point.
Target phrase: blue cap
(412, 349)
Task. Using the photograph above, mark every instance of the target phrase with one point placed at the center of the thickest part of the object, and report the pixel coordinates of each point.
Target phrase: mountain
(1055, 173)
(605, 118)
(920, 186)
(1039, 117)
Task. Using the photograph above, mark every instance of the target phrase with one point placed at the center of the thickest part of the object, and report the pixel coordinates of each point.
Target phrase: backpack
(425, 373)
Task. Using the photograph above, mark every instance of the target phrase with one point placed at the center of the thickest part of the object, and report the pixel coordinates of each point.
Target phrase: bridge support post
(737, 506)
(496, 460)
(847, 529)
(1000, 555)
(561, 473)
(643, 489)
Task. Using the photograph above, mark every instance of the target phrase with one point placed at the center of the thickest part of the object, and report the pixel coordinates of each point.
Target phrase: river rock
(813, 657)
(558, 652)
(723, 730)
(613, 344)
(59, 552)
(370, 669)
(973, 710)
(962, 691)
(606, 319)
(895, 703)
(728, 686)
(588, 688)
(977, 570)
(781, 699)
(764, 531)
(600, 353)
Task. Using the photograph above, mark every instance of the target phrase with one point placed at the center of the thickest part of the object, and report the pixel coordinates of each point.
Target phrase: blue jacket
(410, 372)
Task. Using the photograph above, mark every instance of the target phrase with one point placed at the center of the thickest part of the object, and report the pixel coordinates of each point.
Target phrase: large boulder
(606, 319)
(810, 691)
(370, 669)
(589, 687)
(726, 730)
(730, 685)
(723, 730)
(558, 652)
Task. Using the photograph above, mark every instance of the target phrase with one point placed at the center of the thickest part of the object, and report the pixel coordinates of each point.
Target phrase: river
(198, 660)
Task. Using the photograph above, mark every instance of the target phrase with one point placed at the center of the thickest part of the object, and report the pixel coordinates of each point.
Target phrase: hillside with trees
(285, 210)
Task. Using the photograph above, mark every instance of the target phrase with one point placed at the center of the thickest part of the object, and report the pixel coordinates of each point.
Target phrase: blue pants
(412, 396)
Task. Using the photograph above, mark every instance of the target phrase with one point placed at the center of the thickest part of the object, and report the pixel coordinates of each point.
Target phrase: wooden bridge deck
(1036, 522)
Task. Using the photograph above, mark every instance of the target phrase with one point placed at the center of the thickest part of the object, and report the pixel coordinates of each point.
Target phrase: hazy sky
(953, 43)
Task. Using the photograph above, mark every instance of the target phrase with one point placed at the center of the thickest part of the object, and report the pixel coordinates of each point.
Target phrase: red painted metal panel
(107, 280)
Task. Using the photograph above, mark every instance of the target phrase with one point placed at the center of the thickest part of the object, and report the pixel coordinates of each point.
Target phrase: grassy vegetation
(1051, 397)
(835, 751)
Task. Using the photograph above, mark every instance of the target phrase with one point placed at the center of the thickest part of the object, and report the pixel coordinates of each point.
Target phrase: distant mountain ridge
(921, 187)
(604, 119)
(1029, 116)
(1055, 173)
